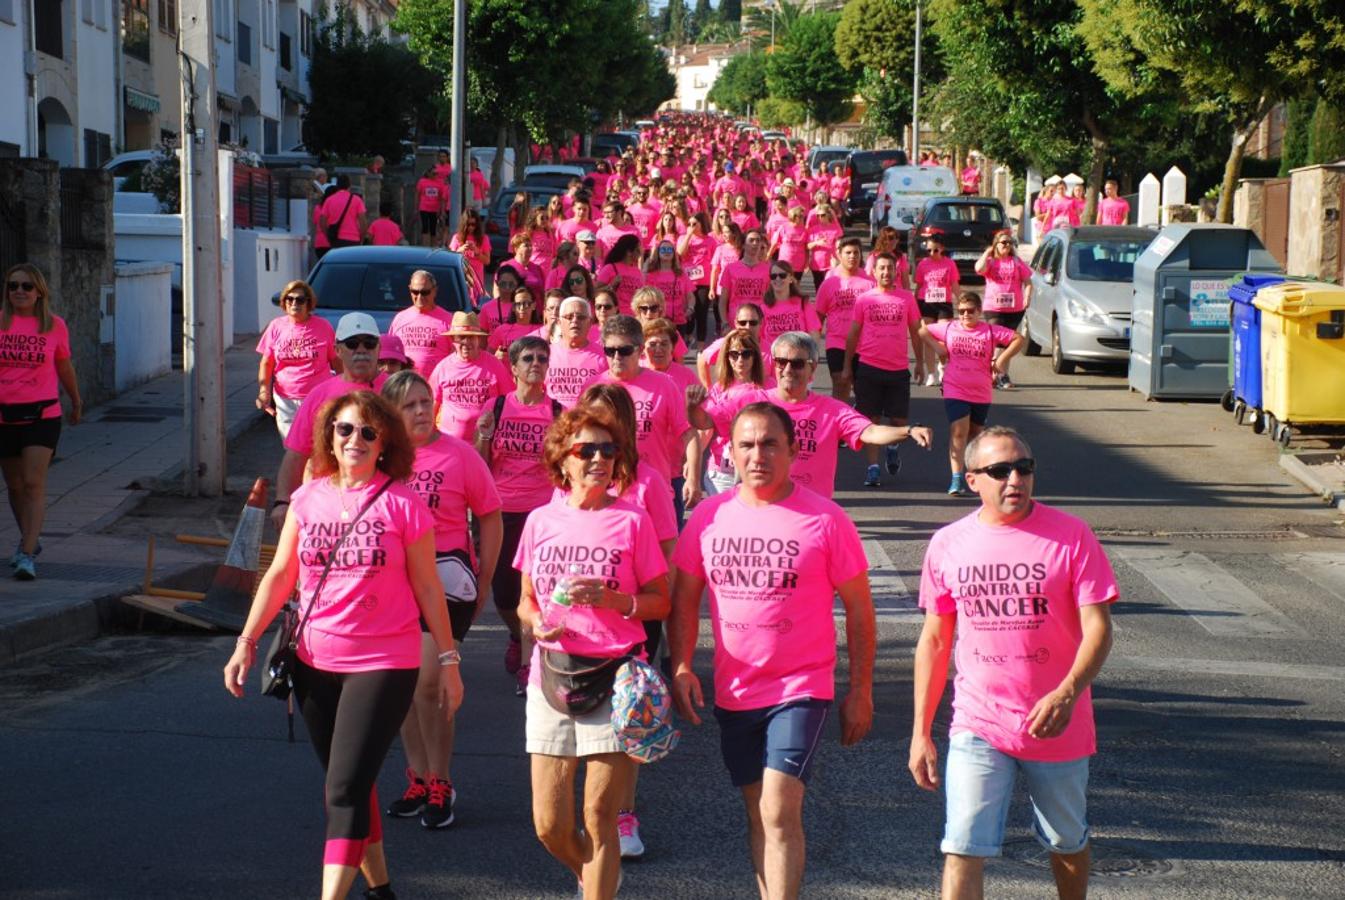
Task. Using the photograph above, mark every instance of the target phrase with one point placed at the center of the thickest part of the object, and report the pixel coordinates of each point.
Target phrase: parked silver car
(1081, 281)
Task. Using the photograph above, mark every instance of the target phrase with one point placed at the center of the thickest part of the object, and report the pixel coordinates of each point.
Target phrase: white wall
(13, 99)
(269, 63)
(226, 30)
(97, 64)
(264, 262)
(142, 322)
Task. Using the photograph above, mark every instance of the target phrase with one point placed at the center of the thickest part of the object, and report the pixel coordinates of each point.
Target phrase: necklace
(341, 495)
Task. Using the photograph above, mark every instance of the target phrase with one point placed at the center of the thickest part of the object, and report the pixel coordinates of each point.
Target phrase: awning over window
(141, 101)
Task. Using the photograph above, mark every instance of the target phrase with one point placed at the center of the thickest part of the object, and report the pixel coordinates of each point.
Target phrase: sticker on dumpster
(1209, 304)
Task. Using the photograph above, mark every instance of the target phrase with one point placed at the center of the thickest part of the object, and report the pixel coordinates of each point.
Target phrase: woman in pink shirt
(696, 250)
(430, 196)
(621, 272)
(601, 555)
(784, 308)
(966, 347)
(729, 251)
(791, 241)
(472, 243)
(567, 254)
(298, 351)
(541, 237)
(523, 320)
(453, 481)
(823, 234)
(889, 240)
(1008, 289)
(936, 281)
(739, 370)
(356, 531)
(520, 245)
(509, 436)
(742, 214)
(663, 271)
(34, 360)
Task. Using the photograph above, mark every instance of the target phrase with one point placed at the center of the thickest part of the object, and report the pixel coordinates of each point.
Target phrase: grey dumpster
(1179, 308)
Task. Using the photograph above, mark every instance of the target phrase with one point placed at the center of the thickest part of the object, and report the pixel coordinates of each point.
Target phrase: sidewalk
(103, 468)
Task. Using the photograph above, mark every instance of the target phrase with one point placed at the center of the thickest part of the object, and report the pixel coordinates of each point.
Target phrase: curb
(1332, 494)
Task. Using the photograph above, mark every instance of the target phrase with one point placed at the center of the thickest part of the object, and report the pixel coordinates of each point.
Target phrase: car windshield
(506, 200)
(1104, 260)
(966, 213)
(869, 166)
(381, 286)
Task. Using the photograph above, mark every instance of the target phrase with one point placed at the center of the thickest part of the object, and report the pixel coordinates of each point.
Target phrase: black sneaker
(411, 802)
(438, 812)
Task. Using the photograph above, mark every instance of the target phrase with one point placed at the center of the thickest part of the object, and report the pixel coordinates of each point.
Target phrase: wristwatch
(450, 658)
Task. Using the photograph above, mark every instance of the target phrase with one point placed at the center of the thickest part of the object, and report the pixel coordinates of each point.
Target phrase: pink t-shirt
(493, 312)
(476, 259)
(644, 217)
(366, 618)
(543, 248)
(1016, 591)
(772, 573)
(724, 255)
(742, 283)
(820, 422)
(651, 491)
(617, 544)
(793, 240)
(1113, 211)
(632, 279)
(423, 336)
(660, 418)
(970, 354)
(836, 301)
(300, 438)
(609, 234)
(332, 208)
(696, 260)
(675, 289)
(885, 321)
(567, 229)
(461, 388)
(820, 258)
(1004, 280)
(28, 362)
(452, 478)
(429, 195)
(936, 280)
(304, 353)
(384, 232)
(506, 333)
(793, 314)
(480, 185)
(516, 453)
(571, 370)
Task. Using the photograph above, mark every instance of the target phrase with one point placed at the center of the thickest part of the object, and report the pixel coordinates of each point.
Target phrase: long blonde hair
(43, 306)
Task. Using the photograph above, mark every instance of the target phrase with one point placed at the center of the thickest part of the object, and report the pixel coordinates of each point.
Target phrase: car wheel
(1059, 365)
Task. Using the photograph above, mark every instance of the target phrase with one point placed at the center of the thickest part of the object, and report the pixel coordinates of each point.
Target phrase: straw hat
(465, 324)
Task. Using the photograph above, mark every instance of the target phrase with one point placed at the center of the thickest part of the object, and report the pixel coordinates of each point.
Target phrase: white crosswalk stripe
(890, 596)
(1221, 604)
(1326, 570)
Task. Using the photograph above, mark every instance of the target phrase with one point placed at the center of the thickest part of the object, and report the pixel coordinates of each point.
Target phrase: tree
(367, 93)
(701, 17)
(1297, 133)
(776, 113)
(741, 84)
(731, 12)
(1326, 138)
(772, 20)
(1237, 59)
(803, 69)
(875, 40)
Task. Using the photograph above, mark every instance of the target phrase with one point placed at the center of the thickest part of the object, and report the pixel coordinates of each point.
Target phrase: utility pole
(202, 294)
(459, 88)
(915, 95)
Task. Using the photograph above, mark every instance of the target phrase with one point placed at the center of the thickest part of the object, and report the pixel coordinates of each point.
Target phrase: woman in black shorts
(34, 360)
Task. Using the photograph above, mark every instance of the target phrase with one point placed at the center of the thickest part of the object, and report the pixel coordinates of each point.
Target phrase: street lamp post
(915, 94)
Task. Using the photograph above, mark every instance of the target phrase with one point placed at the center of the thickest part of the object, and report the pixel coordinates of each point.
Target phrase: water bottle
(556, 610)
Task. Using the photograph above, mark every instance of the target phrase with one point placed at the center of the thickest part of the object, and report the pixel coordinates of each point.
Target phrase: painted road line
(1224, 667)
(1326, 570)
(890, 596)
(1223, 606)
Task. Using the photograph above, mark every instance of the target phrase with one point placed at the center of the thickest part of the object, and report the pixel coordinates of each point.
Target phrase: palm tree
(770, 21)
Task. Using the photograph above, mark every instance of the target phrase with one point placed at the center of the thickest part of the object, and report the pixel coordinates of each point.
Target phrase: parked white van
(902, 194)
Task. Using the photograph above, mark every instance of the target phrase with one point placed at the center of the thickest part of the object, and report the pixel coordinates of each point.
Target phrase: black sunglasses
(623, 351)
(649, 309)
(289, 298)
(346, 429)
(1000, 471)
(747, 323)
(586, 450)
(360, 343)
(530, 358)
(20, 285)
(421, 292)
(575, 279)
(738, 354)
(795, 364)
(779, 276)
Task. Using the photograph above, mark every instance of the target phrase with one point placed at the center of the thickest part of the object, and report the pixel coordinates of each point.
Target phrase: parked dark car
(966, 225)
(375, 280)
(612, 143)
(866, 172)
(497, 219)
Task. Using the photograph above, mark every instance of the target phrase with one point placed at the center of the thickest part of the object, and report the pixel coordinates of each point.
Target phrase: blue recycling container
(1246, 337)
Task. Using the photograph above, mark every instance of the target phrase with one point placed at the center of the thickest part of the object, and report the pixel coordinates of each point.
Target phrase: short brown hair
(570, 423)
(661, 326)
(398, 455)
(302, 287)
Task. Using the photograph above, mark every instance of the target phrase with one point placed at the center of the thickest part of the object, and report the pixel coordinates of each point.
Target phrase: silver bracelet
(450, 658)
(244, 639)
(634, 607)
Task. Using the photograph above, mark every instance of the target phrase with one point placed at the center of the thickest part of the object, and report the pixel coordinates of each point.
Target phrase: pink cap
(390, 347)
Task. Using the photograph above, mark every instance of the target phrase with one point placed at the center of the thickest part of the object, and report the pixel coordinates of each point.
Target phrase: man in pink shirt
(575, 360)
(344, 211)
(423, 326)
(579, 219)
(1112, 209)
(835, 302)
(1026, 591)
(746, 280)
(643, 214)
(773, 555)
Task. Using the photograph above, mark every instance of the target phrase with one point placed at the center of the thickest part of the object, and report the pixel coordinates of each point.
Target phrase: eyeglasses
(346, 429)
(968, 311)
(576, 317)
(796, 364)
(779, 276)
(736, 355)
(20, 285)
(530, 358)
(1003, 243)
(747, 323)
(289, 298)
(575, 279)
(586, 450)
(360, 343)
(648, 309)
(421, 292)
(1000, 471)
(623, 351)
(604, 307)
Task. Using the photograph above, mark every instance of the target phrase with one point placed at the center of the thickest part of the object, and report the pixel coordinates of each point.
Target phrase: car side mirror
(275, 299)
(909, 220)
(1050, 278)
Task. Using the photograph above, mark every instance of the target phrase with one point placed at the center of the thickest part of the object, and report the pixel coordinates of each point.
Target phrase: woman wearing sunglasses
(615, 576)
(936, 283)
(471, 242)
(739, 373)
(453, 481)
(728, 252)
(621, 271)
(696, 251)
(358, 663)
(966, 347)
(1008, 289)
(523, 319)
(567, 254)
(783, 306)
(30, 404)
(298, 352)
(544, 245)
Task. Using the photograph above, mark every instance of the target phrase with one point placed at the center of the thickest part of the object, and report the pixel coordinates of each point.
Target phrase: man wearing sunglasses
(357, 345)
(423, 325)
(1025, 591)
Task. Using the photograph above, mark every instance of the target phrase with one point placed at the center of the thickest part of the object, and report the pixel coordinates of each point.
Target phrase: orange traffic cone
(229, 596)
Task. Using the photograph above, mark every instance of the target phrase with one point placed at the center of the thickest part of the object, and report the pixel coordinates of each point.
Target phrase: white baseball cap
(356, 323)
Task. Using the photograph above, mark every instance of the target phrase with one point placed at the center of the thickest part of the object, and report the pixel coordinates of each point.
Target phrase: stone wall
(88, 279)
(1314, 222)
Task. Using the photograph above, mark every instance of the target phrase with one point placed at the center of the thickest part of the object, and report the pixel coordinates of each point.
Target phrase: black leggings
(352, 718)
(702, 310)
(507, 585)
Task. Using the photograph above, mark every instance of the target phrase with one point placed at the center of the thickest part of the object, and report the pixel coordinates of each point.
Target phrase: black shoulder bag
(334, 228)
(278, 672)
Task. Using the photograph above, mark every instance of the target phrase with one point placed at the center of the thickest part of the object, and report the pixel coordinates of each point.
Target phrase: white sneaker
(628, 828)
(931, 380)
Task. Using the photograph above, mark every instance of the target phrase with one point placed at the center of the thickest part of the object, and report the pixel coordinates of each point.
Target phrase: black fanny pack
(575, 685)
(23, 413)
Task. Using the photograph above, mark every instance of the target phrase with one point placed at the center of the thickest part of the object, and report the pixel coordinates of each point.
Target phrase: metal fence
(74, 233)
(258, 200)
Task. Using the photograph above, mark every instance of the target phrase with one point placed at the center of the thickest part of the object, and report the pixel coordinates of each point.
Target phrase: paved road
(129, 772)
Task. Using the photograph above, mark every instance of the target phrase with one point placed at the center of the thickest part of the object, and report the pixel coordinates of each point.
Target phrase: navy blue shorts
(783, 738)
(960, 409)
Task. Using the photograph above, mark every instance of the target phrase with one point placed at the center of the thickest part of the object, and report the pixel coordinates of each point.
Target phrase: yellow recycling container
(1302, 355)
